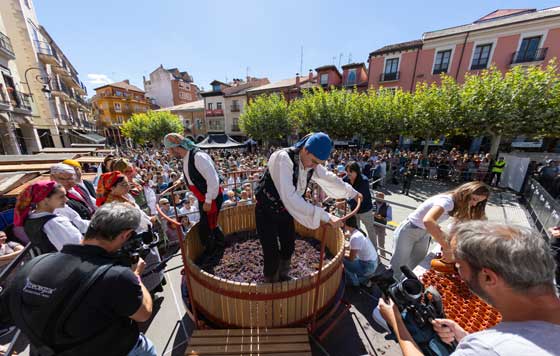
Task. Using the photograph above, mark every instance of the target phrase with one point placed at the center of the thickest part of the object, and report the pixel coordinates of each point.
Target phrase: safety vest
(499, 167)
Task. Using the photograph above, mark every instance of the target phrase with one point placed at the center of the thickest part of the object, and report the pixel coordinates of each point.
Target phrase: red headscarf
(106, 183)
(32, 194)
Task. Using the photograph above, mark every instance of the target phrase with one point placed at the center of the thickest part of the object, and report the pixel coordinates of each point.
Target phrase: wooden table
(15, 192)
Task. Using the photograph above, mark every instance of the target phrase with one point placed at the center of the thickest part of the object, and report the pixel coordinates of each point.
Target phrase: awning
(219, 141)
(91, 137)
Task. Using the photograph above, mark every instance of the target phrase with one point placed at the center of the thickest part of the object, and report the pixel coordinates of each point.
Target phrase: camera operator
(79, 301)
(511, 268)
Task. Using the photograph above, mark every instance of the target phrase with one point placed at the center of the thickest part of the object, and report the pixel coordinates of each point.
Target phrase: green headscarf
(178, 140)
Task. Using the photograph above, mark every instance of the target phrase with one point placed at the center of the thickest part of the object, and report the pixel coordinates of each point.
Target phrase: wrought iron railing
(529, 56)
(6, 44)
(391, 76)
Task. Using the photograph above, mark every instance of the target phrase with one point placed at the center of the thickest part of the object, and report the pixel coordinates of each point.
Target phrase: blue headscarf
(318, 143)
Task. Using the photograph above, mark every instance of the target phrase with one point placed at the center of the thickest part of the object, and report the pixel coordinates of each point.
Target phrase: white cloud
(98, 79)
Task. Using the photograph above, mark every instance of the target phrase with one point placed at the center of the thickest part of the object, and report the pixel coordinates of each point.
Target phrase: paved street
(354, 335)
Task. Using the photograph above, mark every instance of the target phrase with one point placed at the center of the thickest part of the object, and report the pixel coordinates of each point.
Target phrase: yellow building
(115, 103)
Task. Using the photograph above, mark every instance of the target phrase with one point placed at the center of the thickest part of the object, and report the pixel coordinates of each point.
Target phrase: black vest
(34, 230)
(80, 207)
(90, 188)
(381, 210)
(195, 177)
(266, 192)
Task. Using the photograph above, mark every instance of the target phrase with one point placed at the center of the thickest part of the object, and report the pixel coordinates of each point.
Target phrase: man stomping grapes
(280, 200)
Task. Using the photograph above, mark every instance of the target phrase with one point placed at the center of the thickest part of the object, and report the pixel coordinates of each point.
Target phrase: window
(120, 119)
(481, 56)
(209, 106)
(324, 78)
(117, 107)
(216, 87)
(198, 124)
(219, 106)
(118, 93)
(529, 50)
(391, 70)
(351, 80)
(235, 125)
(441, 64)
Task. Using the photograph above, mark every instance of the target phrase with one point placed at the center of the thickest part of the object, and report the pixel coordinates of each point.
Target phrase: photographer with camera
(80, 301)
(511, 268)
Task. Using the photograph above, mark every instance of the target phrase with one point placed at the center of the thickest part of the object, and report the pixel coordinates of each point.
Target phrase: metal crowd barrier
(543, 208)
(6, 276)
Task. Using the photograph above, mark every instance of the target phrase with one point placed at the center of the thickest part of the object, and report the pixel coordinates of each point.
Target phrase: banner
(514, 172)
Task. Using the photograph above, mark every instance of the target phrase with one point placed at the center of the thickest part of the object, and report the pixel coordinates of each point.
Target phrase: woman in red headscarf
(35, 212)
(114, 186)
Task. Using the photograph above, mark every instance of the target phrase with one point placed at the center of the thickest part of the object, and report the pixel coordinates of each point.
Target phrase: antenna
(339, 59)
(247, 71)
(350, 58)
(301, 61)
(334, 60)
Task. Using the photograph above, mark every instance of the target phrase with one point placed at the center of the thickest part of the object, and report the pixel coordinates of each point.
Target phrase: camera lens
(412, 288)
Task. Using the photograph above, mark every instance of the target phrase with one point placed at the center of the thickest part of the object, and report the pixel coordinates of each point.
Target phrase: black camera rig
(419, 306)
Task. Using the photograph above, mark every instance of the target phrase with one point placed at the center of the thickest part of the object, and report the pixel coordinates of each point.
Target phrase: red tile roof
(503, 13)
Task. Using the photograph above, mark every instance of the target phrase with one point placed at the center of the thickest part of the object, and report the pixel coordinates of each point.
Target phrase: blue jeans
(143, 347)
(359, 271)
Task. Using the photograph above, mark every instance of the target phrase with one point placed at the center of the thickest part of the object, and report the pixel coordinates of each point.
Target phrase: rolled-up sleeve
(333, 185)
(281, 167)
(203, 162)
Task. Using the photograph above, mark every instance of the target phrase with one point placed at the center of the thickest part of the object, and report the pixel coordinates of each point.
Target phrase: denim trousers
(358, 271)
(143, 347)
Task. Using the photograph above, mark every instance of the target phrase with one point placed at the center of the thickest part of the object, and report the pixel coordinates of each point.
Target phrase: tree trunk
(426, 146)
(496, 138)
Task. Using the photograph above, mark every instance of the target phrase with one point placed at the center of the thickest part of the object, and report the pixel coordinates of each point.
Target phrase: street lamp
(45, 80)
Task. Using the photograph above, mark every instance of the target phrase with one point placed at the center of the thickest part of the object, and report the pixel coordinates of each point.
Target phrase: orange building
(115, 103)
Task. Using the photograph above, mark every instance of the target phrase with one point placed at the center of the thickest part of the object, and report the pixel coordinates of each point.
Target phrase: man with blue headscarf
(280, 200)
(204, 182)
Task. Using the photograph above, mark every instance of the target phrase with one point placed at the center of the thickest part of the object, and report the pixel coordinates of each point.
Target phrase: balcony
(440, 69)
(235, 108)
(235, 128)
(60, 89)
(6, 46)
(216, 125)
(45, 53)
(529, 56)
(389, 77)
(215, 112)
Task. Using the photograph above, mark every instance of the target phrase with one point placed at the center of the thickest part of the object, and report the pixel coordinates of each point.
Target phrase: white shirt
(74, 218)
(205, 166)
(281, 170)
(59, 230)
(366, 251)
(443, 200)
(534, 338)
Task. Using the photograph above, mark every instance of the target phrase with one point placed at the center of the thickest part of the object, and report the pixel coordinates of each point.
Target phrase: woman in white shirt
(363, 259)
(412, 237)
(35, 212)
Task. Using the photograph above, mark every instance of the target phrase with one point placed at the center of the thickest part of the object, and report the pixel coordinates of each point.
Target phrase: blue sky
(112, 40)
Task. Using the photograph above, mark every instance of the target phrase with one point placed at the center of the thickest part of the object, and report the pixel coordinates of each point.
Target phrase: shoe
(284, 270)
(439, 265)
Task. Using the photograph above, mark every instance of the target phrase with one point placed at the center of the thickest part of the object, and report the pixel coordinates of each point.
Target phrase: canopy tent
(250, 142)
(217, 141)
(90, 137)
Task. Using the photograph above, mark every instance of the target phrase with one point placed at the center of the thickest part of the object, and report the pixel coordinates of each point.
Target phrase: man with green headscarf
(204, 182)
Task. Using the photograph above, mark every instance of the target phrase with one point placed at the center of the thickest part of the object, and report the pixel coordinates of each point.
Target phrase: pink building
(353, 75)
(505, 38)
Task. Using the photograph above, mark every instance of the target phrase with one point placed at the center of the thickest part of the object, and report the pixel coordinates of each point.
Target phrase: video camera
(419, 306)
(138, 245)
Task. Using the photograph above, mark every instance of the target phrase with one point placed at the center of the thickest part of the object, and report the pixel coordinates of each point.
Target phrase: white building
(171, 87)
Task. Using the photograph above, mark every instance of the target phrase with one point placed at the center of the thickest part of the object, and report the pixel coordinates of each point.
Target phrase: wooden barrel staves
(249, 305)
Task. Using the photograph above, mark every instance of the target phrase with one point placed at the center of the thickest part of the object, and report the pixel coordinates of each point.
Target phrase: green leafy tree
(434, 110)
(151, 126)
(335, 111)
(266, 118)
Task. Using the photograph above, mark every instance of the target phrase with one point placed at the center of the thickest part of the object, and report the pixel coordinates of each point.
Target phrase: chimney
(297, 80)
(310, 75)
(126, 81)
